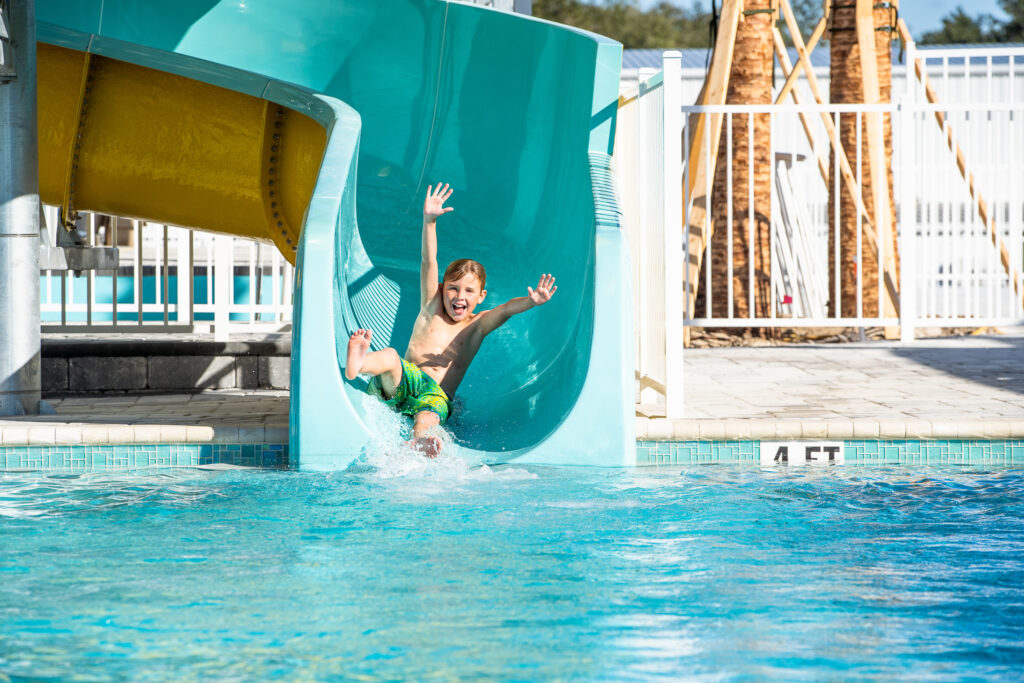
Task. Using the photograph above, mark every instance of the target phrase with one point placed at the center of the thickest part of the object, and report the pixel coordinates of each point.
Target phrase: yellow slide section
(125, 140)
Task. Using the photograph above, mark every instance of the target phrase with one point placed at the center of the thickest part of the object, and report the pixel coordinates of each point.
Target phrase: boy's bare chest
(439, 344)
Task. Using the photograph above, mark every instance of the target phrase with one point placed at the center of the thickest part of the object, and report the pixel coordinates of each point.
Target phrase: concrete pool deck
(969, 387)
(948, 388)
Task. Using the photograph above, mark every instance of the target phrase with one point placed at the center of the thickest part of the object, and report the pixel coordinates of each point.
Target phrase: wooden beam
(701, 159)
(879, 179)
(961, 163)
(695, 122)
(805, 120)
(819, 30)
(849, 180)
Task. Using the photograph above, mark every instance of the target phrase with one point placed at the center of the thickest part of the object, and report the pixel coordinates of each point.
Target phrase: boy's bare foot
(430, 446)
(358, 344)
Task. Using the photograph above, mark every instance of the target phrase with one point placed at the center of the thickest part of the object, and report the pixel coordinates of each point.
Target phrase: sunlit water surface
(402, 568)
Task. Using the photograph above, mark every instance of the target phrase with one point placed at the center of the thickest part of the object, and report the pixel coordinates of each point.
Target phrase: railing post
(223, 270)
(908, 207)
(673, 235)
(185, 273)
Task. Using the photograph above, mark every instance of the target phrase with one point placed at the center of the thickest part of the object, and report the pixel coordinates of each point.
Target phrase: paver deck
(963, 387)
(952, 387)
(227, 416)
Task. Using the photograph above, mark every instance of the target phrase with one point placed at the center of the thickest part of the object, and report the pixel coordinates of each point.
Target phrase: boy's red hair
(456, 270)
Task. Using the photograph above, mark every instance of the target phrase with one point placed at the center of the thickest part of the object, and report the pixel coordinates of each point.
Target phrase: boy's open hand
(545, 290)
(433, 205)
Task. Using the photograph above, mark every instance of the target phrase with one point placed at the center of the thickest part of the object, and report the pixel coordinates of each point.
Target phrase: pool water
(400, 568)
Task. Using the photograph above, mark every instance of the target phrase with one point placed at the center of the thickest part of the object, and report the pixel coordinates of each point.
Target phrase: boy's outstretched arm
(433, 206)
(496, 317)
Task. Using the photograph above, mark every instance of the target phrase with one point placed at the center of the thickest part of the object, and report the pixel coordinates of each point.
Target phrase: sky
(921, 15)
(926, 15)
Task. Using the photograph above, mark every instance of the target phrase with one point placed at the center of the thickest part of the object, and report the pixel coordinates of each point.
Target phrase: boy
(445, 337)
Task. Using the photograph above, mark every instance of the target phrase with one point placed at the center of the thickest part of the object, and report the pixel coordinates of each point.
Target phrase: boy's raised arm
(498, 316)
(433, 206)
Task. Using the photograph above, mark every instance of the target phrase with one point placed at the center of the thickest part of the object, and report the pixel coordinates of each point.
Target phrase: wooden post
(701, 159)
(879, 178)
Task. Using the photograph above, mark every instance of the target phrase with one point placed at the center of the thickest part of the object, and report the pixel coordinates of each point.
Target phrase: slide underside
(318, 126)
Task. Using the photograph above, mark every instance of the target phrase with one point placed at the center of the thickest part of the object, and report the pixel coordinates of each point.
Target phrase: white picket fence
(951, 270)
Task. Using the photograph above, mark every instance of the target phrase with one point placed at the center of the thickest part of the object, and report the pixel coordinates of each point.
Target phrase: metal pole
(19, 213)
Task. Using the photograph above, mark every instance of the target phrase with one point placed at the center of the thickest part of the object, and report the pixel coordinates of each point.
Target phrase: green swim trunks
(416, 392)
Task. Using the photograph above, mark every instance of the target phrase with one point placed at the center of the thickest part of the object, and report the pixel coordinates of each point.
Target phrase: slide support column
(19, 211)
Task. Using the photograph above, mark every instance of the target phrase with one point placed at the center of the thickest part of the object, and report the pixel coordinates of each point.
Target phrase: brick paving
(952, 387)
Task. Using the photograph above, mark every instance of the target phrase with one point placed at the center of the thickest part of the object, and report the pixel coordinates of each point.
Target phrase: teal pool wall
(649, 453)
(139, 456)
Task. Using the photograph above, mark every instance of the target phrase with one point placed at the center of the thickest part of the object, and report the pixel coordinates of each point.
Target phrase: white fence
(170, 279)
(959, 240)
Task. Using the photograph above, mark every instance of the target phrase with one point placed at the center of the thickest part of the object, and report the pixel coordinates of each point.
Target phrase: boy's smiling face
(461, 296)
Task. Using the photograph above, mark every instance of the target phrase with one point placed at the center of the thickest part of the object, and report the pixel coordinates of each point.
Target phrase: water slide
(318, 125)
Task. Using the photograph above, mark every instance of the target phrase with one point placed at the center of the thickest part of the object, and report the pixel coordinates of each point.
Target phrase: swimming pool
(408, 569)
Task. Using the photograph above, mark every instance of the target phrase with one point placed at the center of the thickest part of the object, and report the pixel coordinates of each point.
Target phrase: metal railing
(957, 200)
(170, 279)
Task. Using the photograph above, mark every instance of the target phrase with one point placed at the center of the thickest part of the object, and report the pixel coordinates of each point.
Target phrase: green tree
(1012, 30)
(808, 13)
(665, 25)
(960, 27)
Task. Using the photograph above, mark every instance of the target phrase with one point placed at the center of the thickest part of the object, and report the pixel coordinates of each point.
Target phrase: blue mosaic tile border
(901, 452)
(940, 452)
(696, 452)
(137, 456)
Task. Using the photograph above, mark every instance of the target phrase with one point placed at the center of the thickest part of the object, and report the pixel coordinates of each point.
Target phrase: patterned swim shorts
(416, 392)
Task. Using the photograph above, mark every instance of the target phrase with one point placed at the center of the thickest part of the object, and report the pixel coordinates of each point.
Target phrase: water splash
(388, 455)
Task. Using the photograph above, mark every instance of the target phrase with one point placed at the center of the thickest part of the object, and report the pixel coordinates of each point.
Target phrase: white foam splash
(388, 455)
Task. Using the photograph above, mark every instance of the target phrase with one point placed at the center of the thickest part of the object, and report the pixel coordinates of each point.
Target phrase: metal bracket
(78, 258)
(7, 72)
(70, 236)
(71, 251)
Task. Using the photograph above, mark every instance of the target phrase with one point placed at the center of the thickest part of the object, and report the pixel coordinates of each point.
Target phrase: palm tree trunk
(846, 87)
(750, 82)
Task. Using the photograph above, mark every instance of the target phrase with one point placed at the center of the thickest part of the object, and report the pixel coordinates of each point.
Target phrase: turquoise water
(408, 569)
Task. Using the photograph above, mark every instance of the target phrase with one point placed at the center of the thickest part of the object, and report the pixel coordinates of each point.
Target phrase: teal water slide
(517, 114)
